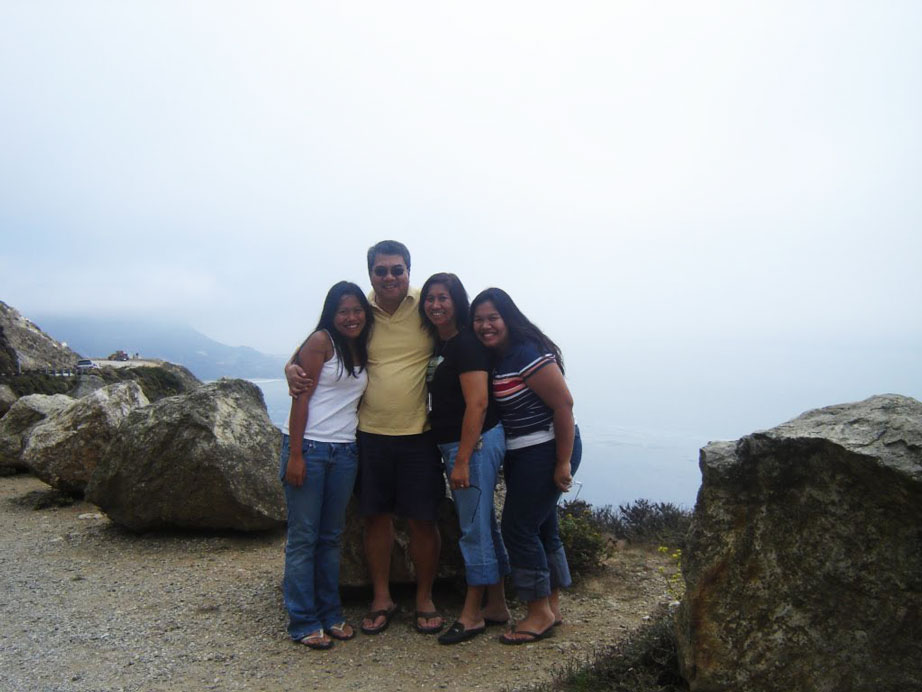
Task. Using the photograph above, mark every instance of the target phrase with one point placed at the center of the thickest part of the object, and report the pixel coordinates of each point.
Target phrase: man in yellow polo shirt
(400, 469)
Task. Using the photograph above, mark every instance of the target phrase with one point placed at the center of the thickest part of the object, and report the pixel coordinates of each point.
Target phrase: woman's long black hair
(458, 297)
(520, 327)
(328, 314)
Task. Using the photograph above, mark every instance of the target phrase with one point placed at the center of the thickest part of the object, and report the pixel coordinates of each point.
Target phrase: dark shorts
(399, 474)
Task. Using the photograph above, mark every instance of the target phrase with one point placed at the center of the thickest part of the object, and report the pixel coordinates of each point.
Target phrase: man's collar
(411, 297)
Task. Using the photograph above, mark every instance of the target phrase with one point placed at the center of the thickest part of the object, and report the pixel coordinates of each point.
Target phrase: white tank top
(332, 414)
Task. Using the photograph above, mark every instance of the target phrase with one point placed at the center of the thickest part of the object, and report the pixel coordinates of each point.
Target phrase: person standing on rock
(318, 473)
(400, 471)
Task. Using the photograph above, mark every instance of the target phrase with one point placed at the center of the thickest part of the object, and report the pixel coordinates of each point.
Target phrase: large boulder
(7, 398)
(64, 449)
(86, 385)
(353, 569)
(18, 423)
(207, 459)
(803, 566)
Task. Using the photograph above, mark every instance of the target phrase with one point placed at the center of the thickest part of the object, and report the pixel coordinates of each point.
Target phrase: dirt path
(88, 606)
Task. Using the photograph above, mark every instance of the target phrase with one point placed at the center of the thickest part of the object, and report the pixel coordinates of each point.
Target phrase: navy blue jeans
(316, 517)
(529, 524)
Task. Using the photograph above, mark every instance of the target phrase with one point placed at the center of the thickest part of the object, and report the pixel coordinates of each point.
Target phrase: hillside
(208, 359)
(23, 342)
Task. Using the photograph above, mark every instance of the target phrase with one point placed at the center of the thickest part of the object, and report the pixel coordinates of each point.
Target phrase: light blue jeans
(316, 516)
(485, 559)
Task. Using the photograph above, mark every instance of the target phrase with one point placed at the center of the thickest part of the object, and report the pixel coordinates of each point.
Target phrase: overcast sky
(643, 177)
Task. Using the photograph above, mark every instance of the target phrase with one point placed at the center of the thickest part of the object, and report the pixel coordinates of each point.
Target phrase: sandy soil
(89, 606)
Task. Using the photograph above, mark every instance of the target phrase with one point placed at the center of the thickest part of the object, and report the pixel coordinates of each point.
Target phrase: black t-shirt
(462, 353)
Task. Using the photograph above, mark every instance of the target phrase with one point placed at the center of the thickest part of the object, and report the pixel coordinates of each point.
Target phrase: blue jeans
(316, 516)
(485, 559)
(530, 528)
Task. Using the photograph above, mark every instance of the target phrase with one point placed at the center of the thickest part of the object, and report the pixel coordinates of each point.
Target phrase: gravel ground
(89, 606)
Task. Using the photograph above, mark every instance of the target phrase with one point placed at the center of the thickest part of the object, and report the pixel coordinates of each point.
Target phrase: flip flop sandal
(530, 636)
(388, 613)
(457, 634)
(428, 615)
(339, 632)
(316, 641)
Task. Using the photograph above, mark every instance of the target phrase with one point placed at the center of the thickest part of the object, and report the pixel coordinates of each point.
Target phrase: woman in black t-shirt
(465, 426)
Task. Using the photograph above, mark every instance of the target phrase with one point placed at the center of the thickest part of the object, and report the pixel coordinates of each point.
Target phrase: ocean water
(620, 464)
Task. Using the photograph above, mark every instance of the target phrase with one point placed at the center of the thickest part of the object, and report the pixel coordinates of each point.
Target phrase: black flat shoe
(457, 634)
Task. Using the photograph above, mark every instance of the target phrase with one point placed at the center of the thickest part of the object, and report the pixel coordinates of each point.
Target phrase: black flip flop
(457, 634)
(532, 636)
(428, 615)
(388, 613)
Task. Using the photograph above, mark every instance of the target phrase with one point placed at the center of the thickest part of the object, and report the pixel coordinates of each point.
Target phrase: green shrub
(646, 523)
(586, 545)
(156, 383)
(35, 383)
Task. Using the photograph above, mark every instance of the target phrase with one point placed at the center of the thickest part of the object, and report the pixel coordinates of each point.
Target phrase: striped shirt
(526, 419)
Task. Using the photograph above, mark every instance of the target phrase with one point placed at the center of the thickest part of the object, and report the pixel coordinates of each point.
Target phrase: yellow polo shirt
(399, 349)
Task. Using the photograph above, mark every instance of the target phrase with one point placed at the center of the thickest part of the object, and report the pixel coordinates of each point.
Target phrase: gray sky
(650, 180)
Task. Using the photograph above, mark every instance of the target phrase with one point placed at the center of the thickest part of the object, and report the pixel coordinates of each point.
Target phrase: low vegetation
(37, 383)
(647, 661)
(586, 540)
(156, 383)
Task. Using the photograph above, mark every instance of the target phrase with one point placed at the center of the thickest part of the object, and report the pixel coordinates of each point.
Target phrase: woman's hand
(460, 475)
(298, 380)
(295, 471)
(562, 477)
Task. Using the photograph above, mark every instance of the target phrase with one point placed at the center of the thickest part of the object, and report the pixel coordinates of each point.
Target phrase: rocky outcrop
(64, 449)
(157, 378)
(18, 423)
(87, 384)
(353, 570)
(7, 398)
(804, 562)
(23, 341)
(203, 460)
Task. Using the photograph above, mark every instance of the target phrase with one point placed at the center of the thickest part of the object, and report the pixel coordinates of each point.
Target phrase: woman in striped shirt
(543, 450)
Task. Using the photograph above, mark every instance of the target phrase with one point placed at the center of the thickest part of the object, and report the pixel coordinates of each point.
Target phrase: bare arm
(310, 358)
(476, 398)
(549, 384)
(298, 380)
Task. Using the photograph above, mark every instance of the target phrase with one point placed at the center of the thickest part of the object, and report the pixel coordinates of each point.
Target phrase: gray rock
(24, 345)
(64, 449)
(86, 385)
(7, 398)
(18, 423)
(803, 566)
(207, 459)
(353, 570)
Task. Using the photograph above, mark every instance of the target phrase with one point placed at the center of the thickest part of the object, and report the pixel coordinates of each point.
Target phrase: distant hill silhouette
(97, 337)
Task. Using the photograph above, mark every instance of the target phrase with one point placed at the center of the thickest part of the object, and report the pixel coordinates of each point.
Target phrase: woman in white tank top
(318, 469)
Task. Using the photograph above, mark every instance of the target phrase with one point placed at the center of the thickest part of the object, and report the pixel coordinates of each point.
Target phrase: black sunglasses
(396, 270)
